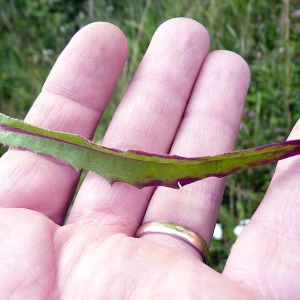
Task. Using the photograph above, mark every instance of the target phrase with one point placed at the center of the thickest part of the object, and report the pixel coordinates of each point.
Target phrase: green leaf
(137, 168)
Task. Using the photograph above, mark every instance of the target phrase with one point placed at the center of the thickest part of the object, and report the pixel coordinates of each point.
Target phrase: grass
(33, 33)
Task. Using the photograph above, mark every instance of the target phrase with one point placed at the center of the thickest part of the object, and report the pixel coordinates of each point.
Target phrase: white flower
(218, 232)
(238, 229)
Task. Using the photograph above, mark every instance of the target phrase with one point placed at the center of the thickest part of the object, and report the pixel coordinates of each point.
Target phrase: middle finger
(146, 119)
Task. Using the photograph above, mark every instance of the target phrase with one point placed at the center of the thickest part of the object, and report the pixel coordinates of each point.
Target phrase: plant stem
(287, 90)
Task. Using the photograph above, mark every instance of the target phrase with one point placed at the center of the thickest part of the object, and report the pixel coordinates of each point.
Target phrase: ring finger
(210, 126)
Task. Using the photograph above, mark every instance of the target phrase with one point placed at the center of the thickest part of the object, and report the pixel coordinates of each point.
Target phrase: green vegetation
(265, 33)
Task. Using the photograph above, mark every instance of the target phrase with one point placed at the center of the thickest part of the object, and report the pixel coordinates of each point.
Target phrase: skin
(181, 100)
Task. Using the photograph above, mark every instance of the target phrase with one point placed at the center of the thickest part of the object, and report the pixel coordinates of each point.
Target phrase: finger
(266, 255)
(147, 119)
(72, 100)
(210, 126)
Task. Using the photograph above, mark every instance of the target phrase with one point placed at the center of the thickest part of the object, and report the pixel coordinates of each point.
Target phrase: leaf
(137, 168)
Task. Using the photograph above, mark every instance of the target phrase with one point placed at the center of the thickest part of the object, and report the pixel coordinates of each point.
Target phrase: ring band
(179, 231)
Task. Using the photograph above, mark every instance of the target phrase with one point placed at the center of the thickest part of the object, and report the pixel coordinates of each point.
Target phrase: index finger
(72, 100)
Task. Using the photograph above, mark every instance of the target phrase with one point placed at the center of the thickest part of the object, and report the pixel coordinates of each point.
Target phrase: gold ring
(179, 231)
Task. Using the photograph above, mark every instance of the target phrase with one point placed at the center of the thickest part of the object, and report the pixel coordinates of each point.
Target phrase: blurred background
(265, 32)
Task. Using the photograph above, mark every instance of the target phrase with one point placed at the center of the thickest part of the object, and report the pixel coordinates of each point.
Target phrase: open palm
(181, 100)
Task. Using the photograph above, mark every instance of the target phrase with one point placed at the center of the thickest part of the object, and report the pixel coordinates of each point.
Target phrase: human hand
(181, 101)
